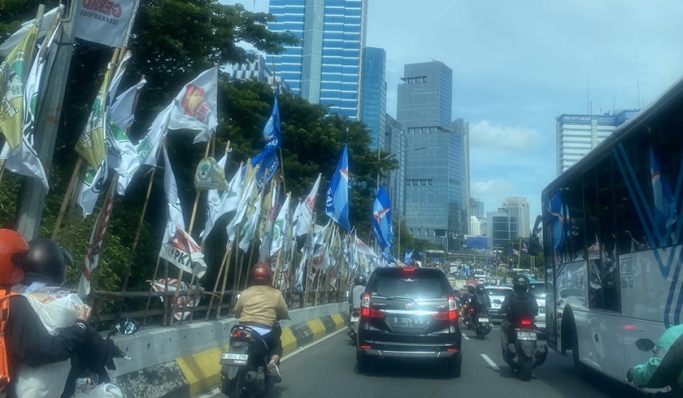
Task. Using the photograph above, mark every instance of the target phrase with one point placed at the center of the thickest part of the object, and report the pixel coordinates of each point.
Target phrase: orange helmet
(261, 274)
(13, 247)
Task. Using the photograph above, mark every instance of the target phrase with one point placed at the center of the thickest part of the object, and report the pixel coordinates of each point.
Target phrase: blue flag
(337, 206)
(408, 257)
(269, 163)
(665, 212)
(271, 132)
(381, 220)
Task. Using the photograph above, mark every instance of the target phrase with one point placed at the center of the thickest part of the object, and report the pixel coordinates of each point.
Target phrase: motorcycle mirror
(645, 345)
(128, 326)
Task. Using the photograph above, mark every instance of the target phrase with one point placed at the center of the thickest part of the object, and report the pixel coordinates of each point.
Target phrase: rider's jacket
(519, 306)
(262, 305)
(643, 373)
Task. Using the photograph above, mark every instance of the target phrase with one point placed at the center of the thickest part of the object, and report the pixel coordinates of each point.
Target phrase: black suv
(409, 313)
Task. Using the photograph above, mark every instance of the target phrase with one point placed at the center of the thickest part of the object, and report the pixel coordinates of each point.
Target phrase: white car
(497, 294)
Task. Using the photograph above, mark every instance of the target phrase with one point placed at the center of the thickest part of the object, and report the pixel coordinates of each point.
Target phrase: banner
(93, 255)
(183, 252)
(104, 21)
(13, 74)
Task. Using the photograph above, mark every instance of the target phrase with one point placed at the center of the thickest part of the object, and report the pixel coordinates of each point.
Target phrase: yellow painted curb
(288, 341)
(317, 328)
(338, 320)
(202, 370)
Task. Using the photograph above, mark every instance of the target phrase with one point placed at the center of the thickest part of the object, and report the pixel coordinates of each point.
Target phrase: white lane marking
(490, 362)
(464, 336)
(216, 392)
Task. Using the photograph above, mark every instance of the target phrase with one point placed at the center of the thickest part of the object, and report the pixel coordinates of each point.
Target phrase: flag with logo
(381, 220)
(95, 246)
(195, 107)
(13, 74)
(214, 202)
(181, 301)
(23, 159)
(247, 192)
(271, 132)
(91, 145)
(178, 247)
(280, 228)
(105, 22)
(249, 228)
(305, 214)
(337, 206)
(122, 155)
(268, 163)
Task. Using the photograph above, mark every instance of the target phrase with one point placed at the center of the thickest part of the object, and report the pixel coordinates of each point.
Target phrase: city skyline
(512, 96)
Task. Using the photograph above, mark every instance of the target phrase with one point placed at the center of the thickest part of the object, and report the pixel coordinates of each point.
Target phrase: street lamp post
(379, 158)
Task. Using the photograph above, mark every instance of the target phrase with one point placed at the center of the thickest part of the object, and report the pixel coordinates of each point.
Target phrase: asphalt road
(328, 369)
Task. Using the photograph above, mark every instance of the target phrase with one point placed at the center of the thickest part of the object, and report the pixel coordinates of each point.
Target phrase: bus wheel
(581, 369)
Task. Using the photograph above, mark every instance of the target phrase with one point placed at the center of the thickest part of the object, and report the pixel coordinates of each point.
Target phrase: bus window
(590, 200)
(609, 269)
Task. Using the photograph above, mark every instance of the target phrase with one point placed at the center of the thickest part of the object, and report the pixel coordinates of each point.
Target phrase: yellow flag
(91, 143)
(13, 73)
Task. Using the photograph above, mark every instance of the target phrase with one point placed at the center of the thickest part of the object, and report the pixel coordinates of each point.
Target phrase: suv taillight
(365, 300)
(451, 315)
(366, 311)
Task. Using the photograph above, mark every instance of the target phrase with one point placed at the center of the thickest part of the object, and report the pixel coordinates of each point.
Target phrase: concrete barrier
(183, 361)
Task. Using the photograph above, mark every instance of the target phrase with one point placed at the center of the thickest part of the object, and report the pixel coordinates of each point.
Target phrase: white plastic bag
(57, 309)
(101, 391)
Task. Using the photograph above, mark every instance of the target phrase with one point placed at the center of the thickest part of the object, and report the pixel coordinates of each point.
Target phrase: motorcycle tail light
(526, 322)
(240, 334)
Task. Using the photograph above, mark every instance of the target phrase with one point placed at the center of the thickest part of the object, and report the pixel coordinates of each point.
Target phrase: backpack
(5, 294)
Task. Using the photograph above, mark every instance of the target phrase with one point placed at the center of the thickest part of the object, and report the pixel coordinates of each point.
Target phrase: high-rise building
(477, 207)
(576, 135)
(501, 229)
(462, 128)
(325, 67)
(519, 208)
(395, 142)
(433, 175)
(374, 93)
(475, 226)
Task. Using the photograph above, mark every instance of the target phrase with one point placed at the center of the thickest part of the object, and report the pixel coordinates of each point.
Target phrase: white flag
(221, 203)
(121, 153)
(241, 208)
(195, 107)
(175, 212)
(93, 182)
(9, 44)
(149, 145)
(23, 159)
(306, 211)
(104, 21)
(280, 229)
(249, 228)
(95, 246)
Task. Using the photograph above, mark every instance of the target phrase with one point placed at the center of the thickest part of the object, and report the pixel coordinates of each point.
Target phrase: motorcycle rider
(520, 305)
(44, 264)
(641, 374)
(357, 291)
(260, 306)
(482, 301)
(26, 339)
(466, 300)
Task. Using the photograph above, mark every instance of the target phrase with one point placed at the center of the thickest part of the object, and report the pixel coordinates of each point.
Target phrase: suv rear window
(414, 286)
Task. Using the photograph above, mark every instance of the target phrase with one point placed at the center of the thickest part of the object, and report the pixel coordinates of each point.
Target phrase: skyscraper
(501, 228)
(325, 68)
(395, 142)
(374, 94)
(519, 208)
(462, 128)
(477, 207)
(433, 175)
(576, 135)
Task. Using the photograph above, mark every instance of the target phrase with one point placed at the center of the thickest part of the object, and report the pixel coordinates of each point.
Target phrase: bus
(612, 241)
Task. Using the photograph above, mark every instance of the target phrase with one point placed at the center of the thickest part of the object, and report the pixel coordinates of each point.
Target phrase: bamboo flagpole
(225, 260)
(225, 275)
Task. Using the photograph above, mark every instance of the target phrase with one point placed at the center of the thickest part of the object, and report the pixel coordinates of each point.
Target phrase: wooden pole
(68, 194)
(218, 278)
(149, 297)
(225, 277)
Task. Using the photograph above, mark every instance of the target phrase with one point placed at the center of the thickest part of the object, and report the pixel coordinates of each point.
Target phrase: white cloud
(495, 187)
(490, 136)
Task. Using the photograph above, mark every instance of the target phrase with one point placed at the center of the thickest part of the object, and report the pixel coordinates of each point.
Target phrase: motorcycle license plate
(483, 320)
(408, 322)
(234, 359)
(526, 335)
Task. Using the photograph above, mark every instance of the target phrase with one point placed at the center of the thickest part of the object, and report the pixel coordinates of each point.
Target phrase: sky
(517, 65)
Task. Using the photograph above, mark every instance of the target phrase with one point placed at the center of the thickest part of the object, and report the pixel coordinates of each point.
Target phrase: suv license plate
(524, 335)
(408, 322)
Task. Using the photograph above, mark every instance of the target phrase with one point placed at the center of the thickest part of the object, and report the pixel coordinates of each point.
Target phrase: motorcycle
(244, 370)
(483, 325)
(523, 353)
(669, 369)
(354, 318)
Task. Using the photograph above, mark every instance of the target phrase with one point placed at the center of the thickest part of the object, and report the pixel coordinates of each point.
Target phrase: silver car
(497, 294)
